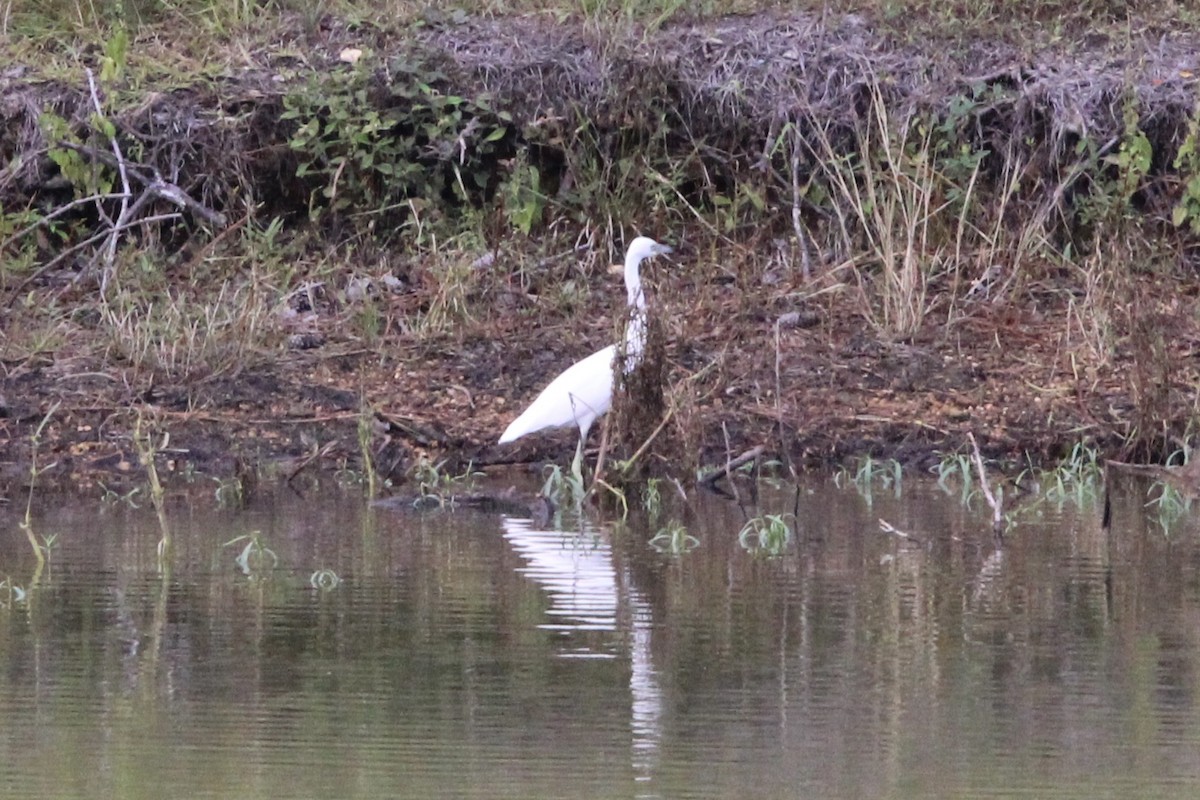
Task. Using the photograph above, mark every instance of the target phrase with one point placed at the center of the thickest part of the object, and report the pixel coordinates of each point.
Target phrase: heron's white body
(577, 396)
(584, 391)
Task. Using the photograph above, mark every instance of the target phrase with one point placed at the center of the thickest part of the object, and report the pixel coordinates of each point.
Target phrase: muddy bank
(1056, 304)
(1011, 376)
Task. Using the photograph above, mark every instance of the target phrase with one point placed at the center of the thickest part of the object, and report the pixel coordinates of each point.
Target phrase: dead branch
(152, 182)
(732, 464)
(997, 509)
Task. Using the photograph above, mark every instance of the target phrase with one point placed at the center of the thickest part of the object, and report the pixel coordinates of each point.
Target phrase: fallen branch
(317, 453)
(731, 465)
(728, 469)
(154, 188)
(152, 182)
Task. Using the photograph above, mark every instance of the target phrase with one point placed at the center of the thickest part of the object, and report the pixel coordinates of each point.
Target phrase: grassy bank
(403, 206)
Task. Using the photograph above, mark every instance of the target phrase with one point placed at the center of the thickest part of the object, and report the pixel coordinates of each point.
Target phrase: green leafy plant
(563, 487)
(1076, 477)
(1134, 155)
(1187, 161)
(376, 140)
(652, 497)
(524, 201)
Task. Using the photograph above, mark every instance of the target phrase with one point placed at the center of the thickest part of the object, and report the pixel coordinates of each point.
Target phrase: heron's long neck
(635, 326)
(633, 282)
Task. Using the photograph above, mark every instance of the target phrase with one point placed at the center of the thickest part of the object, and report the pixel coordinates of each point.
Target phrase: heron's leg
(577, 470)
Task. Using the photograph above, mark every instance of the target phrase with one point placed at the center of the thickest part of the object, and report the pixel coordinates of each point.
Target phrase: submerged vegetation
(370, 219)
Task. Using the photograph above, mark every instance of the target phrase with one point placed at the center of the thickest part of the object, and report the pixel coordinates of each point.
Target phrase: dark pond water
(471, 655)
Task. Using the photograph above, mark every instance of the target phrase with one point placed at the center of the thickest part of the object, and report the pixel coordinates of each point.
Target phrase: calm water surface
(473, 655)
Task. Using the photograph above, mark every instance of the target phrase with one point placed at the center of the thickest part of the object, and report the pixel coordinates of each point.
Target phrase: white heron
(583, 392)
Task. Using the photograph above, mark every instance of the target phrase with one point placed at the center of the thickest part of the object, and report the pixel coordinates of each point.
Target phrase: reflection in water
(468, 656)
(577, 571)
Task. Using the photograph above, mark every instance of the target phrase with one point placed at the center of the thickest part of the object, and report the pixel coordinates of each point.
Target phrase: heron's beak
(663, 249)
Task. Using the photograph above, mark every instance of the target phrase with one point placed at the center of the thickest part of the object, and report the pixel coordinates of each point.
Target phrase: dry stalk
(729, 466)
(884, 198)
(34, 471)
(997, 509)
(147, 449)
(797, 221)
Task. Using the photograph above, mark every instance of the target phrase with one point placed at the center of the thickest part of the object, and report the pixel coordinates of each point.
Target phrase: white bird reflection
(578, 572)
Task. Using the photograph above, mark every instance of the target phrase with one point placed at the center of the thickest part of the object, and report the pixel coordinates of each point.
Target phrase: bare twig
(58, 212)
(153, 183)
(783, 448)
(110, 250)
(997, 508)
(129, 207)
(598, 473)
(729, 465)
(317, 453)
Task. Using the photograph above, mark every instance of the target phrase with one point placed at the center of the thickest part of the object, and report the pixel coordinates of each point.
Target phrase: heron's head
(644, 247)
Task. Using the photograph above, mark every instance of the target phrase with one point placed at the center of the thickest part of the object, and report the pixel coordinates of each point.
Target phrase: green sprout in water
(48, 543)
(768, 533)
(956, 466)
(437, 488)
(325, 579)
(10, 594)
(673, 538)
(870, 472)
(652, 498)
(255, 555)
(1171, 506)
(229, 492)
(1076, 478)
(113, 497)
